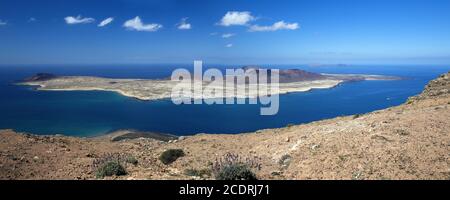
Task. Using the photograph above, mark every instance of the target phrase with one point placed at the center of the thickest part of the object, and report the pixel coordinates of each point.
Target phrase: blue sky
(225, 32)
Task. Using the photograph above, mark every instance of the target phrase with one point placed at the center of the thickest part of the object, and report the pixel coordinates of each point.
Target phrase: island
(290, 80)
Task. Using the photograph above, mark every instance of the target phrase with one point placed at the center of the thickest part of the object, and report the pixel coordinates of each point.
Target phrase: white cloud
(78, 20)
(183, 25)
(229, 45)
(137, 25)
(32, 19)
(228, 35)
(213, 33)
(236, 18)
(106, 22)
(281, 25)
(2, 23)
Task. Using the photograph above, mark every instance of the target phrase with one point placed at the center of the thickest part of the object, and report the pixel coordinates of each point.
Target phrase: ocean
(93, 113)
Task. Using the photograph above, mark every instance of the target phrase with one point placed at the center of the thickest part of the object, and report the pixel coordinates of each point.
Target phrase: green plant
(285, 160)
(197, 172)
(132, 160)
(110, 169)
(171, 155)
(110, 164)
(343, 157)
(234, 167)
(236, 172)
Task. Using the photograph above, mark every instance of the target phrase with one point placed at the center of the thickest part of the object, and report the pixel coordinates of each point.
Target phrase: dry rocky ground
(410, 141)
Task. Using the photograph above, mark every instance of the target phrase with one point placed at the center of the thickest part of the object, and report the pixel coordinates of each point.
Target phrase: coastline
(409, 141)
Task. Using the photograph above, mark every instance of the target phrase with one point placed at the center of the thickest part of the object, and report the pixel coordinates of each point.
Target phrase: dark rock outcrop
(295, 75)
(41, 77)
(290, 75)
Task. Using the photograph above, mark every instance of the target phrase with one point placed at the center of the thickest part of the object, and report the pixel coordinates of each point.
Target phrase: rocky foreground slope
(410, 141)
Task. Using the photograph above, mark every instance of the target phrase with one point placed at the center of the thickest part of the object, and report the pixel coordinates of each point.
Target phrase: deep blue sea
(94, 113)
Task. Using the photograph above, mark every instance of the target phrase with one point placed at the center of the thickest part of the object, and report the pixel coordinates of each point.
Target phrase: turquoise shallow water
(95, 113)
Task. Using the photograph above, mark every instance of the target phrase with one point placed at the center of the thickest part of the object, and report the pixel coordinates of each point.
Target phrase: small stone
(276, 173)
(402, 132)
(90, 155)
(380, 137)
(315, 146)
(35, 158)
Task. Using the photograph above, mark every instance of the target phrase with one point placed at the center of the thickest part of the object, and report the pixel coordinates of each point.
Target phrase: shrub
(132, 160)
(110, 164)
(199, 173)
(236, 172)
(234, 167)
(356, 116)
(171, 155)
(285, 160)
(110, 169)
